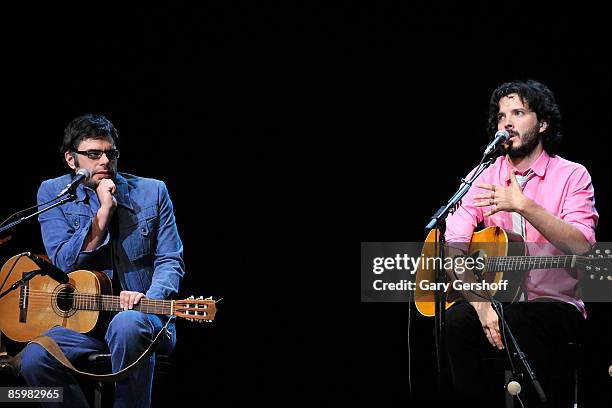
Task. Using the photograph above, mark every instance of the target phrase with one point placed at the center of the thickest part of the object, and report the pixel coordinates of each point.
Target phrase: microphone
(47, 268)
(81, 176)
(501, 137)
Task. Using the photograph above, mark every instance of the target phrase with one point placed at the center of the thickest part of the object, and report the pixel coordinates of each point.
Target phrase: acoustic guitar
(82, 304)
(503, 253)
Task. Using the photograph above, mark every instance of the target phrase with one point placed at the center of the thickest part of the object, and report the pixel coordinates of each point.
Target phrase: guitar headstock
(599, 265)
(196, 309)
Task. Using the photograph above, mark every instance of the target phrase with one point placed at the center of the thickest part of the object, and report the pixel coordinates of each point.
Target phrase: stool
(101, 363)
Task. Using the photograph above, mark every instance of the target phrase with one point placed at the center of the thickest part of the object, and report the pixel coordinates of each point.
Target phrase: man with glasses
(120, 224)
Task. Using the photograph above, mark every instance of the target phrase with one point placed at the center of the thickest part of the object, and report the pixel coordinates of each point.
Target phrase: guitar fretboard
(84, 301)
(525, 263)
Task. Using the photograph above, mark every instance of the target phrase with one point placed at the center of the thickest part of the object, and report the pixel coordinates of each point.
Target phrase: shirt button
(76, 223)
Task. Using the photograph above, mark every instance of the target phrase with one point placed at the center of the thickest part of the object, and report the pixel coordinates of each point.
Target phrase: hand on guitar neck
(127, 299)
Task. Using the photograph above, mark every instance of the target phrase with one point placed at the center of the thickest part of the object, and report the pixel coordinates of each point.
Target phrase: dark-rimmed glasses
(95, 154)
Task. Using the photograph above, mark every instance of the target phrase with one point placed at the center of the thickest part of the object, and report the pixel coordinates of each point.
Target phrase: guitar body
(491, 241)
(31, 310)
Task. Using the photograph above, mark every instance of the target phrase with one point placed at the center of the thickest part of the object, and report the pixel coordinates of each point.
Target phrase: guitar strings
(84, 296)
(44, 298)
(34, 292)
(37, 297)
(523, 261)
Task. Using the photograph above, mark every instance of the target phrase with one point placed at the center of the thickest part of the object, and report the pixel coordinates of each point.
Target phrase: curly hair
(540, 100)
(90, 126)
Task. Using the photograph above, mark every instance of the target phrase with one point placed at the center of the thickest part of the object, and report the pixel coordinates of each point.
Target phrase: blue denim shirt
(147, 249)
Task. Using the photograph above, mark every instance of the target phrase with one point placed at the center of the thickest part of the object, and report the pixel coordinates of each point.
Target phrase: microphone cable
(409, 353)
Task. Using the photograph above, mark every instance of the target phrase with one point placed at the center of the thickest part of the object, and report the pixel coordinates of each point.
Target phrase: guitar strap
(13, 364)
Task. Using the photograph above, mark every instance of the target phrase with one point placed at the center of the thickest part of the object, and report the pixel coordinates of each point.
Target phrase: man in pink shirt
(550, 202)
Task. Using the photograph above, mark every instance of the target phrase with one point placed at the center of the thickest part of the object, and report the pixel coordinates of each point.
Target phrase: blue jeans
(128, 335)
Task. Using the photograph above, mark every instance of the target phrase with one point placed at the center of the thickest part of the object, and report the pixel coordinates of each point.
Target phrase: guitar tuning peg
(598, 251)
(597, 269)
(201, 298)
(190, 297)
(592, 276)
(588, 268)
(607, 252)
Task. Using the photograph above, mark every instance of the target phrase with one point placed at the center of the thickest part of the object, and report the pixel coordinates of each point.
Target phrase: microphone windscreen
(503, 133)
(85, 172)
(513, 388)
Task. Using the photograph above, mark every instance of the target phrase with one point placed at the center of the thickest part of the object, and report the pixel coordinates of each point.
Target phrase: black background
(286, 135)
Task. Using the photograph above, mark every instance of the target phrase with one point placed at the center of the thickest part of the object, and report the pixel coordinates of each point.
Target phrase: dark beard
(529, 141)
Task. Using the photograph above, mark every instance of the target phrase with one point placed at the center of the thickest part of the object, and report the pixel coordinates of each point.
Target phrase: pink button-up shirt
(562, 188)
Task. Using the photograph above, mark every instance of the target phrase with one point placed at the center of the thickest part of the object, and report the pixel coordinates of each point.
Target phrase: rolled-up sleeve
(578, 207)
(169, 265)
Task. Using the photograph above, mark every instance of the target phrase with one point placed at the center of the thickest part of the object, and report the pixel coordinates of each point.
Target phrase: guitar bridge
(23, 302)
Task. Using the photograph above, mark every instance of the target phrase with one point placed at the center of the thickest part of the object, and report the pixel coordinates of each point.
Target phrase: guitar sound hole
(65, 299)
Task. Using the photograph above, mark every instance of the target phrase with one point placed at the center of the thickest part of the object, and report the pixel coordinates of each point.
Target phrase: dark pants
(541, 328)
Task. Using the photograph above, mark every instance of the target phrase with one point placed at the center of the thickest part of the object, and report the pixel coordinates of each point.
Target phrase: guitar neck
(85, 301)
(525, 263)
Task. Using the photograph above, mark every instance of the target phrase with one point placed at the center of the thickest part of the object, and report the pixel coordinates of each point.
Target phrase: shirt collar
(538, 167)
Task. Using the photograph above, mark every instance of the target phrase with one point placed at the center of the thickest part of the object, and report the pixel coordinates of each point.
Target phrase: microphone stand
(519, 353)
(70, 197)
(31, 274)
(438, 222)
(5, 359)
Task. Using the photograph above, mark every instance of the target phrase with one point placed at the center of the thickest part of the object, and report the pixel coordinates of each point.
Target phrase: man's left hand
(502, 198)
(127, 299)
